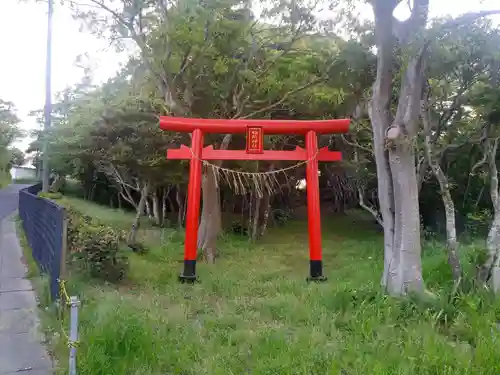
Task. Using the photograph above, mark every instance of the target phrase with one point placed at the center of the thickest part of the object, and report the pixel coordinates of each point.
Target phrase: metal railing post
(73, 334)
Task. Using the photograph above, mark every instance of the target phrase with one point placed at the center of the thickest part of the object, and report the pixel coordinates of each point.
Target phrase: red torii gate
(255, 130)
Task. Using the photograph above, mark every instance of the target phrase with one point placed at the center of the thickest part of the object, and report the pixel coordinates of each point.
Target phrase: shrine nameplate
(255, 140)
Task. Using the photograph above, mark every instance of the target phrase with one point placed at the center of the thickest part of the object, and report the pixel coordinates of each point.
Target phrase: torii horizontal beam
(208, 153)
(223, 126)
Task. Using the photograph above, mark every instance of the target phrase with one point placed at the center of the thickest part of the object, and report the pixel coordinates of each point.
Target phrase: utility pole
(48, 101)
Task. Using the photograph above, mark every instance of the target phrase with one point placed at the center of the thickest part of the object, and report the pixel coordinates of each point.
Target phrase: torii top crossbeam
(182, 124)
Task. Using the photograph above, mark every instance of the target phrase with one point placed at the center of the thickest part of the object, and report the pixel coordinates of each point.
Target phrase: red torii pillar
(255, 130)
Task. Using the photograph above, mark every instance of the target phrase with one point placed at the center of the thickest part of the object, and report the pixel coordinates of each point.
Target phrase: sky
(23, 28)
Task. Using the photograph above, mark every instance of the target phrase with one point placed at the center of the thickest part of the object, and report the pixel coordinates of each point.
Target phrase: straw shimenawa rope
(238, 181)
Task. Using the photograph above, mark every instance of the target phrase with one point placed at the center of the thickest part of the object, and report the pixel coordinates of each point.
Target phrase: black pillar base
(316, 271)
(189, 274)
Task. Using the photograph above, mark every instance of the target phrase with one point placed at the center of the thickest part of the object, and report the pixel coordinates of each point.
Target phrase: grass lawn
(254, 313)
(114, 217)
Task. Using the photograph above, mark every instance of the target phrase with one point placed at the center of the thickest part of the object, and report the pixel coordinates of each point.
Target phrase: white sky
(23, 42)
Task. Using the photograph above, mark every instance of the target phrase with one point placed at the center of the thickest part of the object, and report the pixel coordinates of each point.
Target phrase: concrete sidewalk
(21, 350)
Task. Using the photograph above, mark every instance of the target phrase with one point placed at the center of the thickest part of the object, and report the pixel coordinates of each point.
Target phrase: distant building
(23, 173)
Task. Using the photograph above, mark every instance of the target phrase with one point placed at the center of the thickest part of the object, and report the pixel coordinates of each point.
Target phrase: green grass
(253, 312)
(25, 181)
(114, 217)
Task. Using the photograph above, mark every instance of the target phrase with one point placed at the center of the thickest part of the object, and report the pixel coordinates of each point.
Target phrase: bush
(96, 248)
(50, 195)
(238, 228)
(73, 188)
(281, 217)
(477, 224)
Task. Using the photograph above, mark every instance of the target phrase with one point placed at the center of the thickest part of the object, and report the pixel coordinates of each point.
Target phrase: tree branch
(356, 144)
(285, 97)
(371, 210)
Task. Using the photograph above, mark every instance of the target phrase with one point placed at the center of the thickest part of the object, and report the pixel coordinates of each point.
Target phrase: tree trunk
(156, 208)
(266, 209)
(490, 271)
(164, 201)
(92, 193)
(449, 205)
(210, 224)
(256, 219)
(406, 276)
(57, 184)
(132, 236)
(394, 147)
(180, 205)
(149, 211)
(381, 118)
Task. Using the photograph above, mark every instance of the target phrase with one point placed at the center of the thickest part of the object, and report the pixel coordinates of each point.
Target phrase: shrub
(50, 195)
(96, 248)
(477, 224)
(238, 228)
(281, 217)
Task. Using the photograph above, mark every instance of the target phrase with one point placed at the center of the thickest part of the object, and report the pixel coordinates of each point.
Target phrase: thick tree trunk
(406, 276)
(57, 184)
(256, 219)
(210, 224)
(132, 236)
(381, 118)
(394, 149)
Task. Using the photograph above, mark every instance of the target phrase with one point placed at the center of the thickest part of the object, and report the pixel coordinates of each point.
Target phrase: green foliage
(96, 248)
(5, 178)
(238, 228)
(50, 195)
(281, 216)
(17, 157)
(477, 224)
(9, 132)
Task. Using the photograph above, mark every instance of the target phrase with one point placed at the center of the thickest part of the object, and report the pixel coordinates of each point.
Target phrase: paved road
(9, 200)
(21, 351)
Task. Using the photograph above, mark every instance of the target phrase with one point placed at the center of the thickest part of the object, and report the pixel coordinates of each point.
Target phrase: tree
(487, 105)
(17, 157)
(214, 60)
(393, 141)
(9, 132)
(456, 65)
(395, 136)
